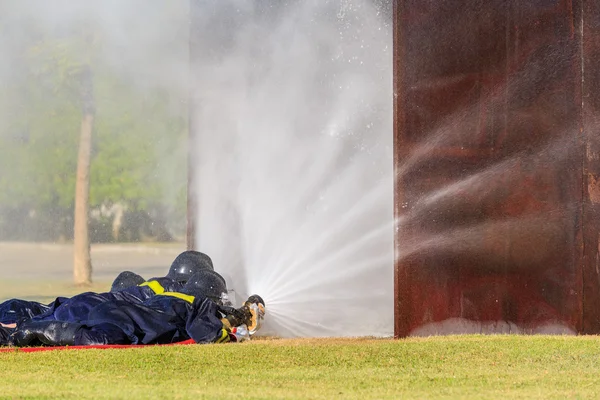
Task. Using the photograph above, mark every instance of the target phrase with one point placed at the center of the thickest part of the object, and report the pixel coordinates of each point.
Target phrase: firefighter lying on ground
(128, 286)
(194, 313)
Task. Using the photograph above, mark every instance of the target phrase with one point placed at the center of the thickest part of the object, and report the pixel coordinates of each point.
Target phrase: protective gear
(169, 317)
(208, 284)
(166, 318)
(125, 280)
(13, 310)
(49, 333)
(233, 317)
(5, 335)
(188, 263)
(77, 308)
(250, 315)
(230, 295)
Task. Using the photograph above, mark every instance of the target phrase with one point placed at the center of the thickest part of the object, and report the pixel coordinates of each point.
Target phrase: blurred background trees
(137, 165)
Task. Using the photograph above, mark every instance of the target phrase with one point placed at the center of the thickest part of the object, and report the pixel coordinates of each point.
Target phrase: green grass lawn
(443, 367)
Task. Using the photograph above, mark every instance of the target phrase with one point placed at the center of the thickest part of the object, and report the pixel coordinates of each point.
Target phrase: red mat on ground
(108, 346)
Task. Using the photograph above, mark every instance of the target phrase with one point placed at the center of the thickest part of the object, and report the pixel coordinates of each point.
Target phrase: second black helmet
(126, 279)
(188, 263)
(207, 283)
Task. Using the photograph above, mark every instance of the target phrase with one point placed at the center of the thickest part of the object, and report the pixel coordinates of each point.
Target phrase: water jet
(291, 155)
(490, 212)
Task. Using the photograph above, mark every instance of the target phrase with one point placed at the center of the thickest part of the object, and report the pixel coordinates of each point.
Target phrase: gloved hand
(251, 314)
(50, 333)
(232, 317)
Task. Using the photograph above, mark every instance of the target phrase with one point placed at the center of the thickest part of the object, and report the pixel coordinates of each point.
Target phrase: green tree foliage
(131, 135)
(137, 159)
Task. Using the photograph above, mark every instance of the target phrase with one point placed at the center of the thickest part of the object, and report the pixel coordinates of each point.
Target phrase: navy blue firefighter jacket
(77, 308)
(169, 317)
(14, 310)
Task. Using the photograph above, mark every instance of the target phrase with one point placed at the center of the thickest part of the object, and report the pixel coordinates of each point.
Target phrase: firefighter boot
(49, 333)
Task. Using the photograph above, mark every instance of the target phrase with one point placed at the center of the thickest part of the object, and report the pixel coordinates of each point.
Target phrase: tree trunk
(82, 262)
(82, 268)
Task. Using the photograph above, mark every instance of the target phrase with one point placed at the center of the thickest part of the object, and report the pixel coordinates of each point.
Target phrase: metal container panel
(497, 227)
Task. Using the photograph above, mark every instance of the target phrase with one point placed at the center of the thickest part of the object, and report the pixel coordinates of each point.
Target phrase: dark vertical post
(191, 193)
(400, 277)
(192, 185)
(192, 198)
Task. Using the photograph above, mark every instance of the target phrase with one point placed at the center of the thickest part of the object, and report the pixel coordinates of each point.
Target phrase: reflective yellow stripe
(155, 286)
(224, 336)
(186, 297)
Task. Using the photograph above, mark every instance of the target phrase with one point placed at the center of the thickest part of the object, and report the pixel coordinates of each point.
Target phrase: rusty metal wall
(497, 162)
(591, 167)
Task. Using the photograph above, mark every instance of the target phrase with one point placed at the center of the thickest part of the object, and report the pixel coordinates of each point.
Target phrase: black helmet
(206, 283)
(126, 279)
(188, 263)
